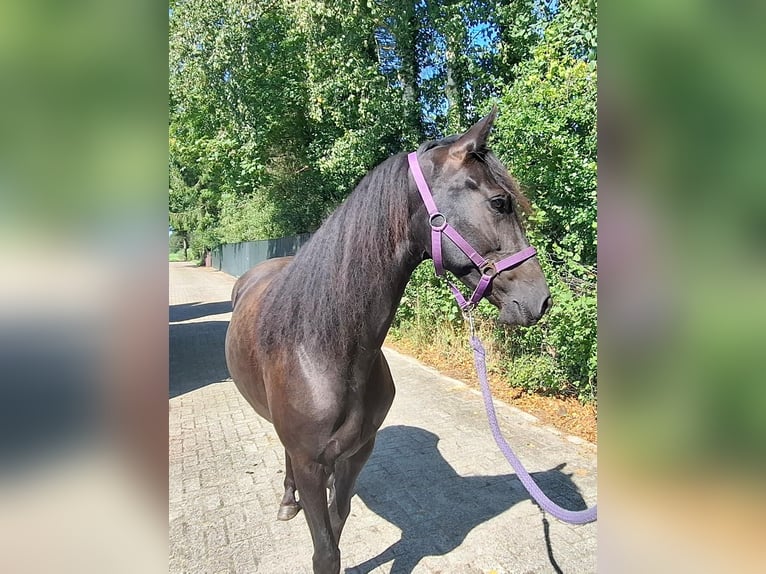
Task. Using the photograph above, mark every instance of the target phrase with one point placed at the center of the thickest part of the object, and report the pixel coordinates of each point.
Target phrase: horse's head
(478, 197)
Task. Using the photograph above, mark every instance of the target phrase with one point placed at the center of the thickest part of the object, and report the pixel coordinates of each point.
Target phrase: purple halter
(439, 227)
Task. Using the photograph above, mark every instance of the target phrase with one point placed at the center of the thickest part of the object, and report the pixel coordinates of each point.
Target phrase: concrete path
(435, 497)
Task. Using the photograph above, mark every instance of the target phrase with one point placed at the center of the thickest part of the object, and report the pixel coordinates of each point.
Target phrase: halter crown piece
(440, 227)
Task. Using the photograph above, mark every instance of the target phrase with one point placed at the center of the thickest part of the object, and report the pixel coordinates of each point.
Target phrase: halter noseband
(439, 227)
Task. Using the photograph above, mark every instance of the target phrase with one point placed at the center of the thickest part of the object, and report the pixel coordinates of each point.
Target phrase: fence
(237, 258)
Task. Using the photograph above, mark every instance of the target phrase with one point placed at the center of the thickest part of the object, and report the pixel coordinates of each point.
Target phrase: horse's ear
(475, 139)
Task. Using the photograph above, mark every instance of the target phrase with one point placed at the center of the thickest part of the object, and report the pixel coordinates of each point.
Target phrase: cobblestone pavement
(435, 496)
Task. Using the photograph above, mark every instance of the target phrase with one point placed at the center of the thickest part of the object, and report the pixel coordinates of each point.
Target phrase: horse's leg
(346, 473)
(330, 489)
(289, 507)
(311, 480)
(378, 398)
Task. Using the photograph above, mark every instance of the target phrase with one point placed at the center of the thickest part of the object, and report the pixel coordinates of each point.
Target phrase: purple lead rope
(570, 516)
(439, 227)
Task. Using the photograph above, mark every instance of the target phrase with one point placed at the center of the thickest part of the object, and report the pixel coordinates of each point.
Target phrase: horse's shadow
(196, 348)
(410, 484)
(187, 311)
(197, 356)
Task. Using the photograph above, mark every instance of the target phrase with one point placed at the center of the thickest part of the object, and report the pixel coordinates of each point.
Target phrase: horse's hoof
(288, 511)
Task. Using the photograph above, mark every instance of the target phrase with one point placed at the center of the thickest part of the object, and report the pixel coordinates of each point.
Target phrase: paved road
(435, 497)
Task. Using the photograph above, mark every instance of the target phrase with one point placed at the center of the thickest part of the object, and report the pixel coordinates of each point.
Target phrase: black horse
(304, 342)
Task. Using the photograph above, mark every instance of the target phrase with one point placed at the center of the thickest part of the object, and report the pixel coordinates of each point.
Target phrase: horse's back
(261, 272)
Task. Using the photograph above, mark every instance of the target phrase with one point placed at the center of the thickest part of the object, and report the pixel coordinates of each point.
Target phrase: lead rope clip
(468, 316)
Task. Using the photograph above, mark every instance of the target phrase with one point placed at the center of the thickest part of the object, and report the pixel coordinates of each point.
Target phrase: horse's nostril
(547, 304)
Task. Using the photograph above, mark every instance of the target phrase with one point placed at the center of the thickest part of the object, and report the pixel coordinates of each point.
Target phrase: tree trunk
(455, 91)
(411, 72)
(456, 74)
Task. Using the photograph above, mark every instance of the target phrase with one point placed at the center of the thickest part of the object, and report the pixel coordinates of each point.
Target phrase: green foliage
(536, 373)
(567, 338)
(276, 112)
(547, 137)
(278, 109)
(235, 95)
(175, 242)
(426, 301)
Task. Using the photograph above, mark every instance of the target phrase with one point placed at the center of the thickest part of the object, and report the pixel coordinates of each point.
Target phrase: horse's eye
(499, 203)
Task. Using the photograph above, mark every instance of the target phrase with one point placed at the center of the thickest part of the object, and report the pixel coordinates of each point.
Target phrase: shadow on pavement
(408, 483)
(197, 356)
(188, 311)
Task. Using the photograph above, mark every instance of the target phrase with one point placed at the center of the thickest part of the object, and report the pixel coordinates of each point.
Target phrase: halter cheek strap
(440, 227)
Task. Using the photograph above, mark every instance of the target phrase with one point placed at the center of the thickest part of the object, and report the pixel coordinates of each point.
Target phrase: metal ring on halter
(440, 226)
(489, 270)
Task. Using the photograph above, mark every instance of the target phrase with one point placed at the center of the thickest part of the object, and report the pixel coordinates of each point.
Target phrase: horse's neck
(373, 273)
(383, 304)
